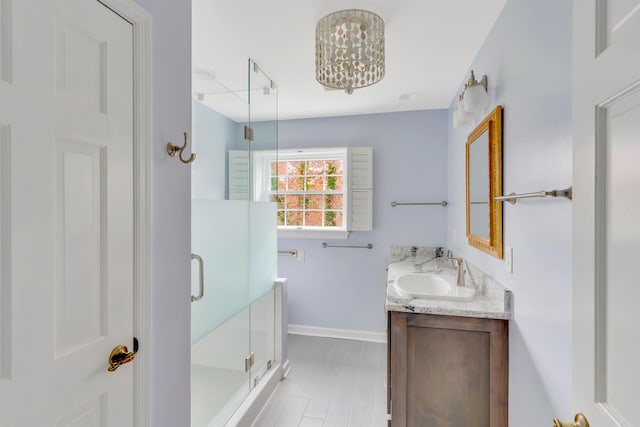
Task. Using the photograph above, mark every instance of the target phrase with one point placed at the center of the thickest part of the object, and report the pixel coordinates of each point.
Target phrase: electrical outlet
(300, 256)
(508, 259)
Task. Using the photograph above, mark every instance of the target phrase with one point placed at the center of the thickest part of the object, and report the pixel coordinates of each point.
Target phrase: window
(310, 193)
(319, 193)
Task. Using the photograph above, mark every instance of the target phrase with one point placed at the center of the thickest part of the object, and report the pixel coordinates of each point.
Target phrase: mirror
(484, 182)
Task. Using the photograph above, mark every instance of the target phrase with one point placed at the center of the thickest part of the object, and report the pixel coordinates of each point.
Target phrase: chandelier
(349, 50)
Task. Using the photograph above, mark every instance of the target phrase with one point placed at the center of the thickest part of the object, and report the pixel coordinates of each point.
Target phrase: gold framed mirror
(484, 182)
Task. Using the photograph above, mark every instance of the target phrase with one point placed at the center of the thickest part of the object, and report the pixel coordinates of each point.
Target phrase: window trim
(313, 234)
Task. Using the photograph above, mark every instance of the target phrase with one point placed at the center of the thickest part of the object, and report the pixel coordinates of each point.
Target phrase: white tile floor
(332, 383)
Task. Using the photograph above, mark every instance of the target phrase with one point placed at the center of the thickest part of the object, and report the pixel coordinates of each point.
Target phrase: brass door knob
(580, 421)
(121, 355)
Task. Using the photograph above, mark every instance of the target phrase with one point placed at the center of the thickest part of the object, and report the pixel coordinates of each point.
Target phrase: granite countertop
(492, 300)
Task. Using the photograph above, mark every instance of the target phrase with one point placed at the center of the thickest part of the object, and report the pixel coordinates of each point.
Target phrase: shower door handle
(198, 297)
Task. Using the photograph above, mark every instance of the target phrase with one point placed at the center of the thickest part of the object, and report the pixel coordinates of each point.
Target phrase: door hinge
(248, 362)
(248, 133)
(268, 365)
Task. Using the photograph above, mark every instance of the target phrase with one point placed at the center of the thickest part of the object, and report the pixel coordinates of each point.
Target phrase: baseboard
(345, 334)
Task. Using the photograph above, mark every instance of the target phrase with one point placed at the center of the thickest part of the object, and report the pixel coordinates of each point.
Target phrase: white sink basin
(432, 286)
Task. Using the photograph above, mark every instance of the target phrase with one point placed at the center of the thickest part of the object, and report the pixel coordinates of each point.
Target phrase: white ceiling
(429, 47)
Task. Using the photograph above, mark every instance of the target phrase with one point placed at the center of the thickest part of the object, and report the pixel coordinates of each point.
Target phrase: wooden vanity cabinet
(447, 371)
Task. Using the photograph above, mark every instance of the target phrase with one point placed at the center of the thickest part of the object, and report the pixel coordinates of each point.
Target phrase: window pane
(315, 167)
(333, 219)
(282, 169)
(274, 183)
(313, 218)
(315, 183)
(280, 217)
(294, 217)
(334, 167)
(313, 202)
(334, 182)
(333, 202)
(294, 201)
(295, 168)
(282, 183)
(295, 183)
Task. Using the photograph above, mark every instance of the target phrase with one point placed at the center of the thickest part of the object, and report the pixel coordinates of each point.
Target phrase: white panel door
(66, 213)
(606, 106)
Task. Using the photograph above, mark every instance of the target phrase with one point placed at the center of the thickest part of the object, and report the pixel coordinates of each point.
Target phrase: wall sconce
(472, 101)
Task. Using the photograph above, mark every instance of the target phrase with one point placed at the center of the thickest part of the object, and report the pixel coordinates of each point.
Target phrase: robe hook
(172, 149)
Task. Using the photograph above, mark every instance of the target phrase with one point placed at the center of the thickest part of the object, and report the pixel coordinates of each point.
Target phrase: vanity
(448, 322)
(447, 353)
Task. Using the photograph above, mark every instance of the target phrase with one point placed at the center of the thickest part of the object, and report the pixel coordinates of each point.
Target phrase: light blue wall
(527, 58)
(265, 135)
(213, 134)
(345, 288)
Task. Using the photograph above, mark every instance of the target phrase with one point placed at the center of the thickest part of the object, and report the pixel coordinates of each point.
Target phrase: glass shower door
(221, 320)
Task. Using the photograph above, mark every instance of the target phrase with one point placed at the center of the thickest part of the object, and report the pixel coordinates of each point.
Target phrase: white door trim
(141, 21)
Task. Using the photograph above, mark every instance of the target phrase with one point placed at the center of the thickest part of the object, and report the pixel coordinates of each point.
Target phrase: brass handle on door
(121, 355)
(580, 421)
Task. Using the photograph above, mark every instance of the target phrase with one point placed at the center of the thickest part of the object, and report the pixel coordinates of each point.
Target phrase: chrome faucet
(459, 262)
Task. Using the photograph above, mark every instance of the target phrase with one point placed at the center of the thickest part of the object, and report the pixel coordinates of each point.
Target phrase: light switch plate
(299, 255)
(508, 259)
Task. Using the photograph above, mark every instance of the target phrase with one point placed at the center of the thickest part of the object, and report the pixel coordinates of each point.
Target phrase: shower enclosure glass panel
(263, 252)
(233, 325)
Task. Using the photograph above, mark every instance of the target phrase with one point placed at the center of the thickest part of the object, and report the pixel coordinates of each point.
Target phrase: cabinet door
(448, 371)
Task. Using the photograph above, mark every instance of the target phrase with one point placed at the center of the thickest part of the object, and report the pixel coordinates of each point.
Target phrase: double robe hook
(172, 149)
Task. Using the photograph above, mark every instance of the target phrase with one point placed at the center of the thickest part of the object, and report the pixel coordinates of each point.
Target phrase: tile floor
(332, 383)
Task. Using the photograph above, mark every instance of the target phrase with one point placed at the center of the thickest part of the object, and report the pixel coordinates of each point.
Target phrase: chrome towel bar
(442, 203)
(327, 245)
(513, 197)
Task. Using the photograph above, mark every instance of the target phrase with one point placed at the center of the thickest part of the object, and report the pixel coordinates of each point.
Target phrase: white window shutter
(360, 189)
(238, 175)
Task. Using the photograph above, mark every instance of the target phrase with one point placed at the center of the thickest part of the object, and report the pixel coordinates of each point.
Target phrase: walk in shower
(237, 321)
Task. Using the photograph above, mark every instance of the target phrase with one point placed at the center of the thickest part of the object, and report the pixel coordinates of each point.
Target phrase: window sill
(313, 234)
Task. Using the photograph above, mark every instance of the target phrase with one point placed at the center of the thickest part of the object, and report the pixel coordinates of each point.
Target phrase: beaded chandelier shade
(350, 49)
